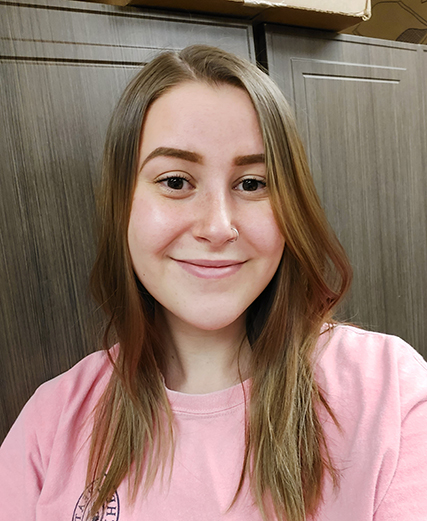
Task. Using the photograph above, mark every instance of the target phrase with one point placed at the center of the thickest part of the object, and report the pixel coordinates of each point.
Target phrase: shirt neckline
(209, 403)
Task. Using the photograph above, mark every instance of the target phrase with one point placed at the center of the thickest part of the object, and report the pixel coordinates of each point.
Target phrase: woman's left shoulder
(360, 359)
(345, 343)
(376, 385)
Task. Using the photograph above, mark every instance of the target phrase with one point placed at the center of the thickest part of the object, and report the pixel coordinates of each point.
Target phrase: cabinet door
(63, 65)
(360, 107)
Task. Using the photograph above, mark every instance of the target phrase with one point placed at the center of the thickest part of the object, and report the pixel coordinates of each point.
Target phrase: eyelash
(183, 178)
(262, 183)
(168, 178)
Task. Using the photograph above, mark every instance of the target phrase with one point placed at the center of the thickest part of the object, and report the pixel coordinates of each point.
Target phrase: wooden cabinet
(63, 66)
(361, 106)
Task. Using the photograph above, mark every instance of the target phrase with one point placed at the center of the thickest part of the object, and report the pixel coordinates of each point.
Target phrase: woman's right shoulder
(84, 382)
(46, 441)
(69, 397)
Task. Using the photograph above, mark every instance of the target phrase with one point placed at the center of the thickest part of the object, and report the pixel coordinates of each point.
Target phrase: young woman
(230, 393)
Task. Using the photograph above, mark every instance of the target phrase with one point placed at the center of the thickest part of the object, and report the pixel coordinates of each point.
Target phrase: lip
(210, 269)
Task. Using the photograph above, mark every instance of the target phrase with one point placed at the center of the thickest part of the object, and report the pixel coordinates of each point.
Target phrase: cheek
(264, 233)
(151, 227)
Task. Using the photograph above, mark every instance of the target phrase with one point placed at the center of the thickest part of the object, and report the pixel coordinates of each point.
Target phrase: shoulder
(342, 344)
(368, 365)
(86, 373)
(68, 399)
(85, 379)
(45, 443)
(376, 386)
(74, 393)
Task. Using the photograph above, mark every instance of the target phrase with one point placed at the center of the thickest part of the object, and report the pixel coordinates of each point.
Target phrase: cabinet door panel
(63, 66)
(359, 106)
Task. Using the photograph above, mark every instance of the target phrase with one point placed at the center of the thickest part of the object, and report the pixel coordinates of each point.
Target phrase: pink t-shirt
(375, 384)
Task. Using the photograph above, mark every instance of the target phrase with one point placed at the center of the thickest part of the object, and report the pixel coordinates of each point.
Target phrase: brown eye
(251, 185)
(175, 183)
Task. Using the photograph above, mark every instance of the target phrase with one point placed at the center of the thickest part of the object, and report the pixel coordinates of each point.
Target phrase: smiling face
(202, 173)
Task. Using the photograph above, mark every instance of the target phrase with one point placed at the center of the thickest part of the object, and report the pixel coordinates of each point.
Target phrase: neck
(199, 361)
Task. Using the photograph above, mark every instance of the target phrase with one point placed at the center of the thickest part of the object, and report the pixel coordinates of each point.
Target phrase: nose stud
(234, 239)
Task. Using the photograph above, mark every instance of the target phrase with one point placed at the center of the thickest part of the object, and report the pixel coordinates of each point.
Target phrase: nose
(214, 219)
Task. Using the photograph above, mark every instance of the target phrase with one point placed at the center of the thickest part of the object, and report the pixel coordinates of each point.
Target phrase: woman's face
(202, 172)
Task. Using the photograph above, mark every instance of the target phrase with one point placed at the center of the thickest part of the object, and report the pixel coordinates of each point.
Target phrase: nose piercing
(234, 239)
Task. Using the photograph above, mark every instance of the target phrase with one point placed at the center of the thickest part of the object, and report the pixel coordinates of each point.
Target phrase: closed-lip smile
(210, 269)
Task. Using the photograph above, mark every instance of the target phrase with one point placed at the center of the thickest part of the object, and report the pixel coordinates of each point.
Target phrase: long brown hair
(286, 451)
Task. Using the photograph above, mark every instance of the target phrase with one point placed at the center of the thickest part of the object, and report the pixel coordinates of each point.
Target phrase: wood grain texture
(63, 66)
(360, 104)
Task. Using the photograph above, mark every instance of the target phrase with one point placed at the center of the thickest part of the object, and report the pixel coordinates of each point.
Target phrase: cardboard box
(400, 20)
(335, 15)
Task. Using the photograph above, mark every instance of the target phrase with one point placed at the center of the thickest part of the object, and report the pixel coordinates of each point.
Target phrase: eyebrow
(173, 152)
(249, 160)
(193, 157)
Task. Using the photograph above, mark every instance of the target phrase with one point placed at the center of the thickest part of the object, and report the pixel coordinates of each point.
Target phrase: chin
(211, 321)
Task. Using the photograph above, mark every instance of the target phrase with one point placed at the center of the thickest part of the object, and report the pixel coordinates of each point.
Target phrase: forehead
(200, 117)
